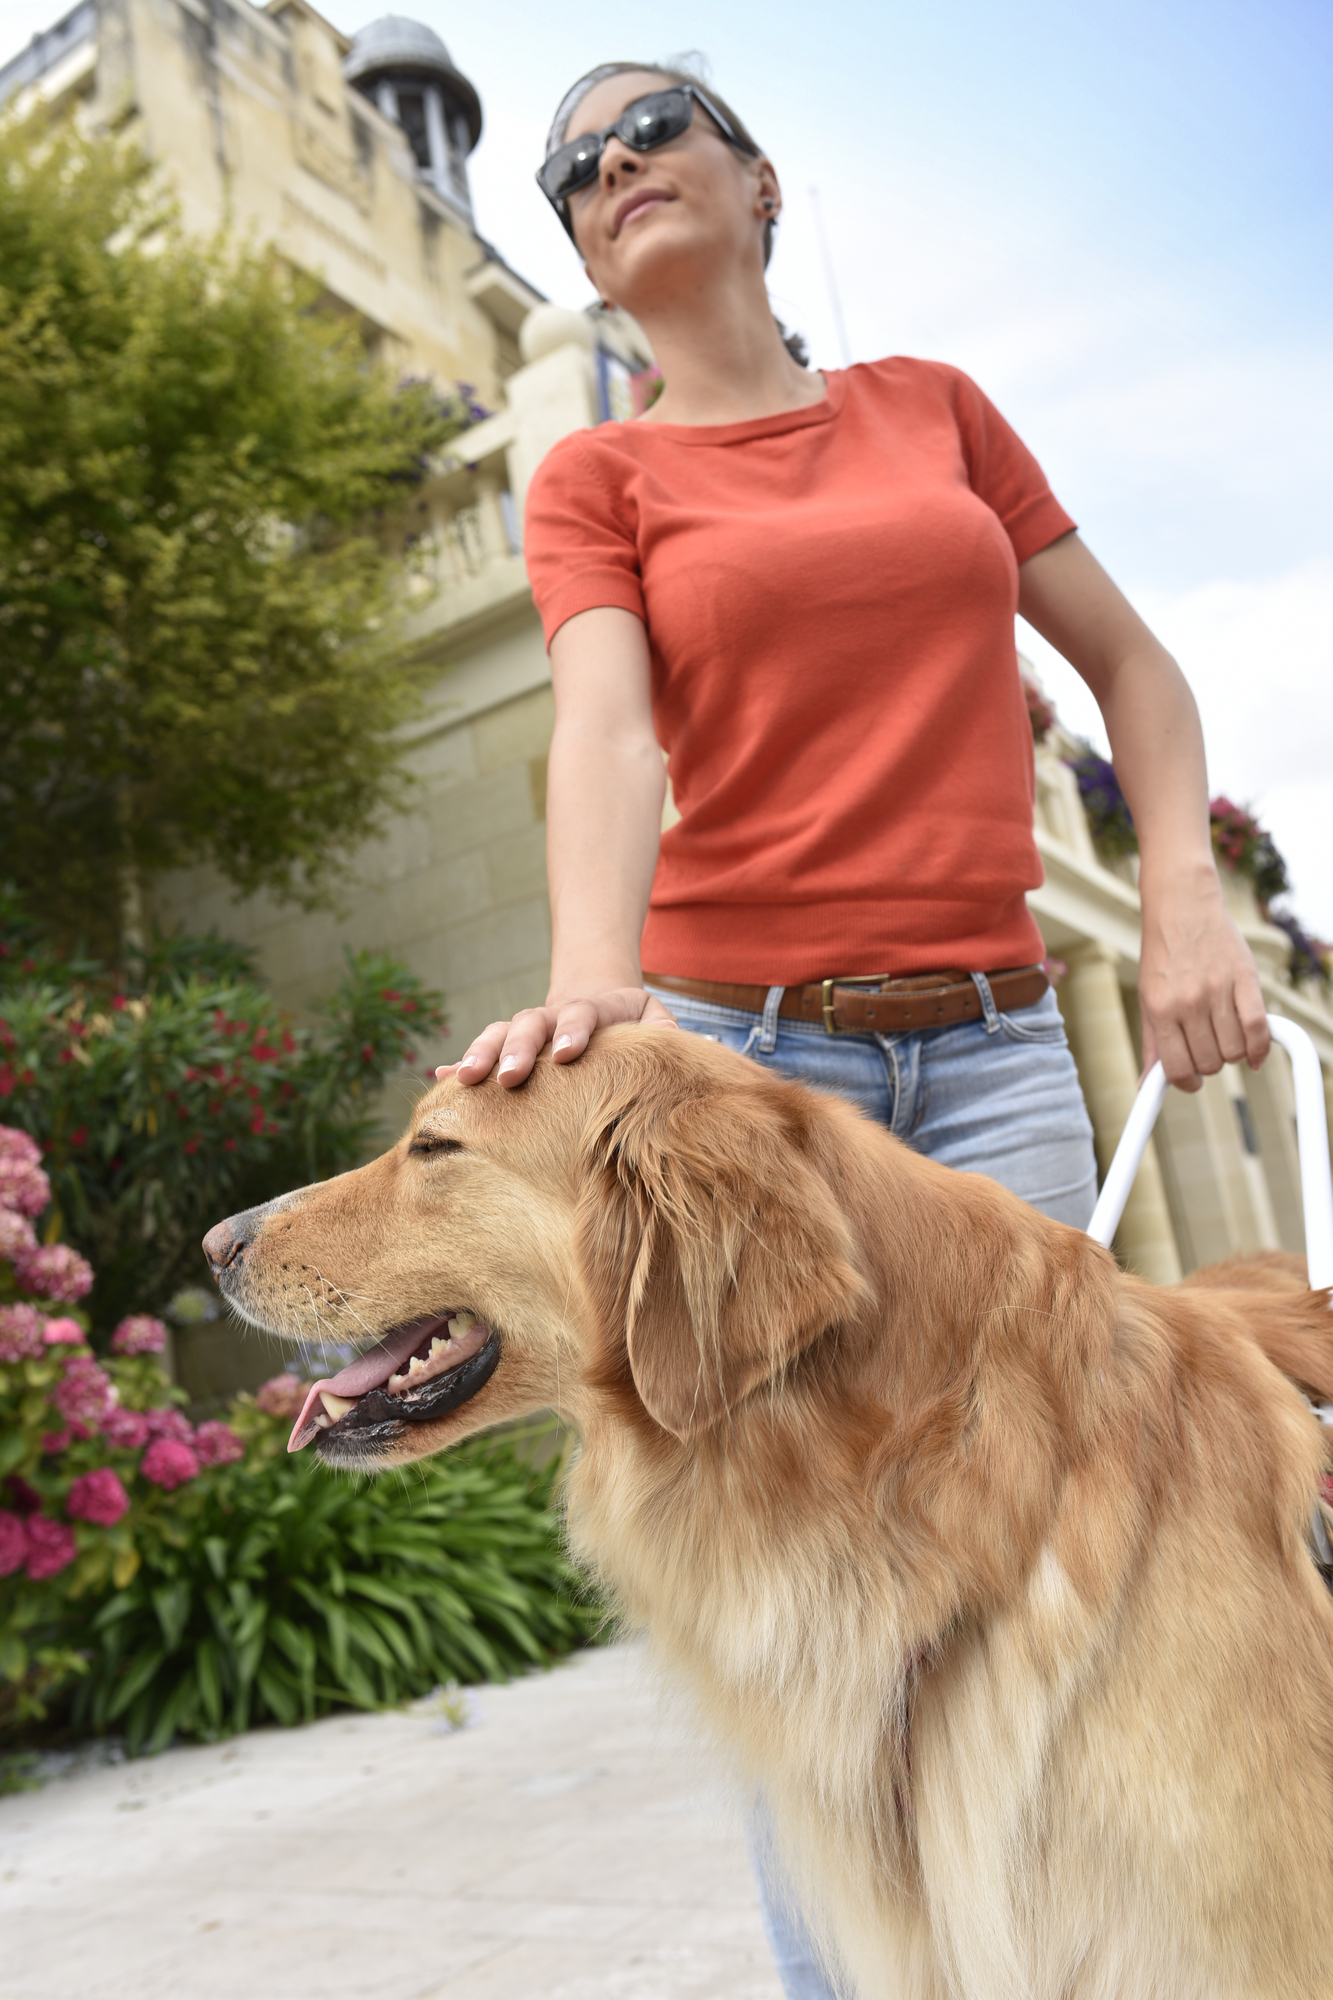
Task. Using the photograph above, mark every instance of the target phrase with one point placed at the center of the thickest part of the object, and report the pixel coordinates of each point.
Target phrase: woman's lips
(636, 206)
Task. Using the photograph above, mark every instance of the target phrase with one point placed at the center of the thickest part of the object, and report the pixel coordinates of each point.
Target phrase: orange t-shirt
(829, 597)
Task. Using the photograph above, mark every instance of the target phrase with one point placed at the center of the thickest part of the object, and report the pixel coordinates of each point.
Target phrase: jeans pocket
(1042, 1023)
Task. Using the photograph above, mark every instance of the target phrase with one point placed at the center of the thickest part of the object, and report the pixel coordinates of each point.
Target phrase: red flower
(13, 1543)
(257, 1122)
(63, 1333)
(119, 1002)
(168, 1423)
(79, 1136)
(84, 1394)
(217, 1443)
(127, 1429)
(51, 1546)
(54, 1271)
(139, 1334)
(192, 1145)
(230, 1145)
(169, 1463)
(98, 1497)
(54, 1441)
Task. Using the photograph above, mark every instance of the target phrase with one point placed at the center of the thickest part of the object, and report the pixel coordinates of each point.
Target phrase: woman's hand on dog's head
(510, 1048)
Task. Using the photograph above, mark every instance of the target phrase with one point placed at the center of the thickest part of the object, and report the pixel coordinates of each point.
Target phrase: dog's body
(987, 1560)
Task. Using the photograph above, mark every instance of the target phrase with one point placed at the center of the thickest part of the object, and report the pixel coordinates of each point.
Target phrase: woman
(803, 589)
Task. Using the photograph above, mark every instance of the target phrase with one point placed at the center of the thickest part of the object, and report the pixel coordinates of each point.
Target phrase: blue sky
(1115, 216)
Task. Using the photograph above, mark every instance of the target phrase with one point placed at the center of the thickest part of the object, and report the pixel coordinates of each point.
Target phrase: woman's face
(662, 218)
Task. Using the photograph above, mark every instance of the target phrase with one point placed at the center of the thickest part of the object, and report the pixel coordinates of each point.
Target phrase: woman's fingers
(510, 1048)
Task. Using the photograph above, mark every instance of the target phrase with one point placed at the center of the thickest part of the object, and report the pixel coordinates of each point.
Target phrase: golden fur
(987, 1560)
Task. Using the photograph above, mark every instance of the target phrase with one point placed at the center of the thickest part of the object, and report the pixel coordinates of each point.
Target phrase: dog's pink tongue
(369, 1371)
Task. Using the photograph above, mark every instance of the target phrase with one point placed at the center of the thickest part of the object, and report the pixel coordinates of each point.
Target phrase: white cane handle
(1311, 1146)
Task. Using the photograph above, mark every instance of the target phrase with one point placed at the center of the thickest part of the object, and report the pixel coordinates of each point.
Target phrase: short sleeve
(1002, 472)
(579, 537)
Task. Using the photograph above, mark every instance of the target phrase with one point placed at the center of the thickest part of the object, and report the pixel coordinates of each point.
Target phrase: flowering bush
(1310, 958)
(160, 1111)
(1109, 819)
(1248, 849)
(140, 1333)
(1041, 713)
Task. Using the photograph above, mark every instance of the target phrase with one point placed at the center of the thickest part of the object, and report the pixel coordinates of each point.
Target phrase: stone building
(352, 158)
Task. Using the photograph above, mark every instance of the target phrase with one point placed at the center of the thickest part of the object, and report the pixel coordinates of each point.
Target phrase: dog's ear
(713, 1250)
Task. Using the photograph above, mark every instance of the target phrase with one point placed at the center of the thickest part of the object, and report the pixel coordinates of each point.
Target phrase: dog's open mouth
(413, 1375)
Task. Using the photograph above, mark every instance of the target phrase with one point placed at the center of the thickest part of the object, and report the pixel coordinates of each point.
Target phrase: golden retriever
(988, 1561)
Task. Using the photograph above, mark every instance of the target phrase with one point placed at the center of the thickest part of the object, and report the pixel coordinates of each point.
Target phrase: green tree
(201, 579)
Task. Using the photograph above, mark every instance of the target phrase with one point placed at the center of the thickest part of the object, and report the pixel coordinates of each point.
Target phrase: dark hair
(678, 71)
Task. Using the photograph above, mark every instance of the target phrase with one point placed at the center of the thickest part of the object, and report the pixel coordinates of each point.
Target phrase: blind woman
(801, 587)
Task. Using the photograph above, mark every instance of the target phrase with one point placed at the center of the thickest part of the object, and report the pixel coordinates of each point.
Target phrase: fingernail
(443, 1071)
(510, 1062)
(562, 1042)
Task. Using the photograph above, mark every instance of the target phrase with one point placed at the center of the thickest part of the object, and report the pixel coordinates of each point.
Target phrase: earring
(769, 204)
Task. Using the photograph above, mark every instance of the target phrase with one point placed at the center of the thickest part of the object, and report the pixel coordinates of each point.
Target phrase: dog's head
(658, 1225)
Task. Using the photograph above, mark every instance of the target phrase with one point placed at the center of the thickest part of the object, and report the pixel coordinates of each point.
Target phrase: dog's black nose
(222, 1245)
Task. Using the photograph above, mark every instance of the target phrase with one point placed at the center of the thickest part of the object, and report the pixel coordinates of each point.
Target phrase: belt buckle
(878, 980)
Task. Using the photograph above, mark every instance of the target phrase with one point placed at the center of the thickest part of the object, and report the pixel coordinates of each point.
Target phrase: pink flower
(63, 1333)
(13, 1543)
(167, 1462)
(15, 1233)
(16, 1145)
(54, 1271)
(23, 1186)
(54, 1441)
(281, 1396)
(127, 1428)
(85, 1393)
(98, 1497)
(51, 1546)
(168, 1423)
(20, 1333)
(217, 1444)
(139, 1334)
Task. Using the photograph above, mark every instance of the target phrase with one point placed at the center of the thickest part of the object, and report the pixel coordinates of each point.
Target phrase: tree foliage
(200, 589)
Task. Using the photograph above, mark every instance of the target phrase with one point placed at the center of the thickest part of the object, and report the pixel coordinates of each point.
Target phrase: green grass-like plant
(284, 1590)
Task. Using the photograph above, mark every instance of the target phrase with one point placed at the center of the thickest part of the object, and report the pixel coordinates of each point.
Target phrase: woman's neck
(723, 361)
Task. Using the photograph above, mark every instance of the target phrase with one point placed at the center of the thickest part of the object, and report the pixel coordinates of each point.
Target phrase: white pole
(1311, 1145)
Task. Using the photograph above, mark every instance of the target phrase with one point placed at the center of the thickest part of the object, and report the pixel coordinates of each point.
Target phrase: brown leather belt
(871, 1005)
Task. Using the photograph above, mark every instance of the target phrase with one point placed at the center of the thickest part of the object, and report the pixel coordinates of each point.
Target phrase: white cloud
(1259, 656)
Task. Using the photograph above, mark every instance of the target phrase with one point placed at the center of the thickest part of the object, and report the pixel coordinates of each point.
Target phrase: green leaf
(171, 1602)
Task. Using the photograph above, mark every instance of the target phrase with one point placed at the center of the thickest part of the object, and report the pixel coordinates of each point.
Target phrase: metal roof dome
(396, 47)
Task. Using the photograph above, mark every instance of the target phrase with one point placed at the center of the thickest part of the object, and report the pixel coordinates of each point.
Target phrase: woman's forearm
(603, 824)
(1157, 744)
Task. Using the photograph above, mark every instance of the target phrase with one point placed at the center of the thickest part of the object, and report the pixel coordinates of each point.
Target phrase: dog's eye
(426, 1145)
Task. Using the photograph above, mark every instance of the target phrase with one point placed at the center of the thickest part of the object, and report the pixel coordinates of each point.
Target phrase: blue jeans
(999, 1096)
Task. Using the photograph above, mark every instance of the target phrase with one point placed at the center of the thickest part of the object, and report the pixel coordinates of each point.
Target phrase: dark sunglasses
(647, 123)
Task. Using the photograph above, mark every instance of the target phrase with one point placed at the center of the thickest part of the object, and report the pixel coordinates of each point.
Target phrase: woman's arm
(1198, 983)
(604, 790)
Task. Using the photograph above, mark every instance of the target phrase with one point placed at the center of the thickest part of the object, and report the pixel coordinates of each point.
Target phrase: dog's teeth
(416, 1365)
(461, 1322)
(337, 1406)
(437, 1346)
(321, 1422)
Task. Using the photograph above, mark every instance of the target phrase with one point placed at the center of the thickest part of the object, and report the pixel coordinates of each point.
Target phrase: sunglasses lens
(654, 120)
(572, 167)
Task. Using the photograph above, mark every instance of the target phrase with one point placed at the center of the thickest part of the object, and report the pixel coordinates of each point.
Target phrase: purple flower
(20, 1333)
(13, 1543)
(16, 1145)
(16, 1233)
(51, 1546)
(54, 1441)
(139, 1334)
(169, 1463)
(63, 1333)
(168, 1423)
(54, 1271)
(23, 1186)
(85, 1393)
(98, 1497)
(128, 1429)
(218, 1444)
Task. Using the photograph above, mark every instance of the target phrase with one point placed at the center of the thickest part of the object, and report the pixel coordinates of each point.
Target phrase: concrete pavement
(572, 1843)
